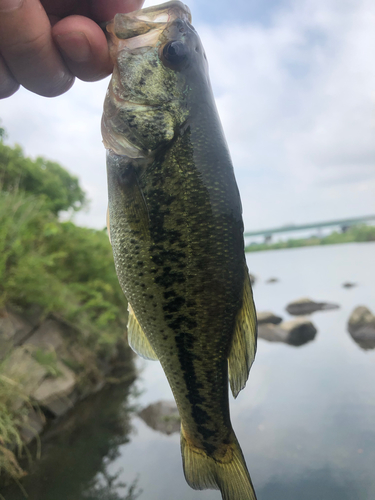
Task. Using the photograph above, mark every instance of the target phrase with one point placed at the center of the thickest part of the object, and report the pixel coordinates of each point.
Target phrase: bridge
(342, 223)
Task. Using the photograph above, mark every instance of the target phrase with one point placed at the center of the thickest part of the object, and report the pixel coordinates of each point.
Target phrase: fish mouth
(143, 27)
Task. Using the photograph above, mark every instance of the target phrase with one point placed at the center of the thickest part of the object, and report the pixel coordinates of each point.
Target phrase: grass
(47, 359)
(50, 268)
(12, 418)
(360, 233)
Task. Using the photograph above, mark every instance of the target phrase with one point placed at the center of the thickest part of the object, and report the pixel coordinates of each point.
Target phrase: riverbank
(46, 368)
(353, 234)
(62, 311)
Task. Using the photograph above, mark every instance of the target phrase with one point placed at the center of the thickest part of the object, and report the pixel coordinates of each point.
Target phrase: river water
(305, 421)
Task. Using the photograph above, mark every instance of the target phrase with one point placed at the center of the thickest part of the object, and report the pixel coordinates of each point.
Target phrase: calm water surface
(305, 421)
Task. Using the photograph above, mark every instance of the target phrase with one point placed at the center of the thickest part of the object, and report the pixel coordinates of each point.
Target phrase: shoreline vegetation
(63, 314)
(359, 234)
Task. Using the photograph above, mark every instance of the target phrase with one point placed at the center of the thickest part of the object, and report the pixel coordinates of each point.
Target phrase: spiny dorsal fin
(244, 341)
(137, 338)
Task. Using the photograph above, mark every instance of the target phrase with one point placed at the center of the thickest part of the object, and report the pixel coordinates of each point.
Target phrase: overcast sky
(295, 88)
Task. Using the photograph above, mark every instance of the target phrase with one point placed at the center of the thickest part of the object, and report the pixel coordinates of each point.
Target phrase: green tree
(57, 266)
(40, 177)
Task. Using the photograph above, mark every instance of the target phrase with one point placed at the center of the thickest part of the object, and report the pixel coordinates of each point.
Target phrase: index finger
(28, 49)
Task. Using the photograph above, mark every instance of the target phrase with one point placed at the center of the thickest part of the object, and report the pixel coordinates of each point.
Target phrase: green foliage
(56, 266)
(61, 268)
(40, 177)
(12, 417)
(360, 233)
(48, 359)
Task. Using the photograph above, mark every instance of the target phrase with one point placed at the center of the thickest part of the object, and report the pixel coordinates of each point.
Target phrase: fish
(176, 229)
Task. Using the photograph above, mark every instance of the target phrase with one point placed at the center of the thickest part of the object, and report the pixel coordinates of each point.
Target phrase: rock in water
(304, 306)
(361, 326)
(348, 284)
(162, 416)
(272, 280)
(295, 332)
(268, 317)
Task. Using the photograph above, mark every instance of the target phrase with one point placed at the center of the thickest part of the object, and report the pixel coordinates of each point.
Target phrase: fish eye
(174, 54)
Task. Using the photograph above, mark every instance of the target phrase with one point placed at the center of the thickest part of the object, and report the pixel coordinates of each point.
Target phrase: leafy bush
(55, 266)
(12, 417)
(47, 179)
(60, 267)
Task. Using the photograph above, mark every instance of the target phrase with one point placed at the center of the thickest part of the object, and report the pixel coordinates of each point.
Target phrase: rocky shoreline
(47, 367)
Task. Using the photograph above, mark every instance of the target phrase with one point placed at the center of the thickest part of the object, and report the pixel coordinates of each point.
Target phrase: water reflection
(315, 484)
(108, 487)
(305, 421)
(162, 416)
(78, 450)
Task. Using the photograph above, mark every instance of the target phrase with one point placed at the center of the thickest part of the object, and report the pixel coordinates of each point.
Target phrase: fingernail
(9, 5)
(75, 46)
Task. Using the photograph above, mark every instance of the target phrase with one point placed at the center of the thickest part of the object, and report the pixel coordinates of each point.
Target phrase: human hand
(45, 44)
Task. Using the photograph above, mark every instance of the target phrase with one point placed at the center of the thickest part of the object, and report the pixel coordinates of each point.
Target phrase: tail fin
(230, 475)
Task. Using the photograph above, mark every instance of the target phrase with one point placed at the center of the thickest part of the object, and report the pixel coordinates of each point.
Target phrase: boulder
(21, 368)
(295, 332)
(365, 337)
(162, 416)
(14, 329)
(304, 306)
(361, 326)
(49, 335)
(54, 392)
(271, 333)
(268, 317)
(361, 316)
(35, 422)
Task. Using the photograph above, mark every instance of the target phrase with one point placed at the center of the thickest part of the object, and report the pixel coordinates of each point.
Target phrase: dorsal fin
(137, 338)
(244, 341)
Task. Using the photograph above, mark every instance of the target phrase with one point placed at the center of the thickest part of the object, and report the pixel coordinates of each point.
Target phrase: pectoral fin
(244, 341)
(137, 338)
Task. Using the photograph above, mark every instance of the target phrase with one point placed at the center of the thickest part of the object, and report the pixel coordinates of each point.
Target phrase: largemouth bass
(175, 223)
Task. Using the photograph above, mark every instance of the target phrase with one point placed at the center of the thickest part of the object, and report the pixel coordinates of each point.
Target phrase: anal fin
(137, 338)
(244, 341)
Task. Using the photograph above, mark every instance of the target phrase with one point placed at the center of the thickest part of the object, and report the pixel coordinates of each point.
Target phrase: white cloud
(296, 98)
(297, 104)
(65, 129)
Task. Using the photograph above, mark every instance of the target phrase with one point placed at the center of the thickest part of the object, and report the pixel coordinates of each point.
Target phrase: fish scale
(177, 234)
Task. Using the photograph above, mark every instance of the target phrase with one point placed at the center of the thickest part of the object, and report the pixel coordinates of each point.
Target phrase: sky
(294, 82)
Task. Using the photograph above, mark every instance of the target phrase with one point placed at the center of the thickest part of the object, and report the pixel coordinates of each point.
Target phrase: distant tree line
(360, 233)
